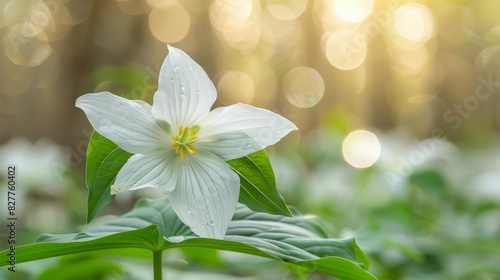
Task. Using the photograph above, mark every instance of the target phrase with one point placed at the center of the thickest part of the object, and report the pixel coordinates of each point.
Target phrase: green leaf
(258, 186)
(129, 75)
(153, 225)
(90, 268)
(104, 160)
(429, 180)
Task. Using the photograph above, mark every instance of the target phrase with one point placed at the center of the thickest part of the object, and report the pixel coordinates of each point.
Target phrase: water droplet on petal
(183, 88)
(189, 212)
(172, 80)
(168, 92)
(278, 131)
(176, 68)
(197, 91)
(212, 223)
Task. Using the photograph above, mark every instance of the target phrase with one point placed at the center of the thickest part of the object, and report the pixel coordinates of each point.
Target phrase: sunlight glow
(236, 22)
(413, 23)
(286, 9)
(346, 49)
(353, 10)
(361, 148)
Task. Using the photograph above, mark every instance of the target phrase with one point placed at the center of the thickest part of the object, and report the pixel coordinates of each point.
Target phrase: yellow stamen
(184, 141)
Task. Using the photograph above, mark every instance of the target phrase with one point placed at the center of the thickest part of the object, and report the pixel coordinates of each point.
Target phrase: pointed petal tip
(292, 126)
(185, 92)
(90, 96)
(172, 49)
(80, 100)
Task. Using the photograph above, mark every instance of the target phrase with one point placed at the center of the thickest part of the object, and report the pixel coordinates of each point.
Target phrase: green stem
(157, 267)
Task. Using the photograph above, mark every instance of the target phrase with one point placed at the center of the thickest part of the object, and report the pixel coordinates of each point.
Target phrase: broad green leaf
(85, 268)
(153, 225)
(258, 186)
(104, 160)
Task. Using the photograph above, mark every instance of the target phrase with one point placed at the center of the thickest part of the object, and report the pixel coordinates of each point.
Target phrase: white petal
(238, 130)
(128, 123)
(185, 93)
(142, 171)
(206, 195)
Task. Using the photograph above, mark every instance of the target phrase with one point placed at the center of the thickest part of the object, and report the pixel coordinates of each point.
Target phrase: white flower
(180, 146)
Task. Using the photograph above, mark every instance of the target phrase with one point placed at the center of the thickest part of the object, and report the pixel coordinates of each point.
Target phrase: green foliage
(432, 223)
(153, 225)
(81, 269)
(104, 160)
(258, 186)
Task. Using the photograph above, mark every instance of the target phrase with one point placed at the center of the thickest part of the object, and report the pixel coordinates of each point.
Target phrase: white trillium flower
(180, 146)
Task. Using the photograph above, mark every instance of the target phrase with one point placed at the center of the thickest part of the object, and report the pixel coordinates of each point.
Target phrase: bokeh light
(346, 49)
(488, 56)
(286, 9)
(361, 148)
(26, 44)
(353, 10)
(406, 69)
(303, 87)
(409, 61)
(413, 25)
(234, 87)
(169, 24)
(132, 7)
(60, 21)
(236, 23)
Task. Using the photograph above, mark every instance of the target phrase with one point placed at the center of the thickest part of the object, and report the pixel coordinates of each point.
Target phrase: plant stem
(157, 267)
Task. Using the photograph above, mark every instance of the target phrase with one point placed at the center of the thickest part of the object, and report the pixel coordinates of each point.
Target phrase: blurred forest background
(397, 104)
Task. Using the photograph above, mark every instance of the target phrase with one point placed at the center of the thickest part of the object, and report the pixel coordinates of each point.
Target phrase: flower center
(184, 141)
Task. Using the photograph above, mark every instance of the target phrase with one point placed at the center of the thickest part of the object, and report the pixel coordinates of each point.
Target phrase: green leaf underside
(258, 186)
(104, 160)
(295, 240)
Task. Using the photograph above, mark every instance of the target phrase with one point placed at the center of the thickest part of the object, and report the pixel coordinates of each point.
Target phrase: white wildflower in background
(180, 146)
